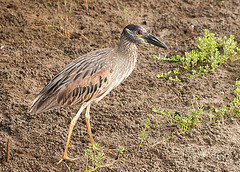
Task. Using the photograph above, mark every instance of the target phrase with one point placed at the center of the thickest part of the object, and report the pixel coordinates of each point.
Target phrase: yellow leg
(72, 124)
(87, 119)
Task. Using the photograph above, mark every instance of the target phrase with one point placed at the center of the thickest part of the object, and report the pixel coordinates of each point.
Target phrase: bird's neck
(126, 47)
(127, 53)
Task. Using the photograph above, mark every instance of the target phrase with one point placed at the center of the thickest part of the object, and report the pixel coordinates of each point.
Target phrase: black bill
(155, 41)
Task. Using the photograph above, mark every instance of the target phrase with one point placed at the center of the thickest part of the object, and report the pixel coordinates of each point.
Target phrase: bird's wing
(85, 79)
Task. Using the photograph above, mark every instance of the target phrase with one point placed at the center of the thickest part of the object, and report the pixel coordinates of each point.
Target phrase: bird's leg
(87, 119)
(72, 124)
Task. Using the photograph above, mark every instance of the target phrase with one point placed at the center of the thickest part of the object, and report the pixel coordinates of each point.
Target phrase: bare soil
(31, 56)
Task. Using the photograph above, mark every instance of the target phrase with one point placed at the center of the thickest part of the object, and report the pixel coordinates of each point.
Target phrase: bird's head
(140, 34)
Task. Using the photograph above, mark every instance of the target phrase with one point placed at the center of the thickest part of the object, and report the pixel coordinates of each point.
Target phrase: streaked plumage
(90, 77)
(85, 79)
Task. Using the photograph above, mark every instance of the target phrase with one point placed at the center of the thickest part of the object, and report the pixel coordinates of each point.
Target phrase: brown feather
(85, 72)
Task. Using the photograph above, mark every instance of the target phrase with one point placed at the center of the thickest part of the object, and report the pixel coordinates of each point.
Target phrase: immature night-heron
(92, 76)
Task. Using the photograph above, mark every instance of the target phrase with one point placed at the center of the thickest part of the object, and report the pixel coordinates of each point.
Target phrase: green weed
(163, 74)
(175, 71)
(61, 23)
(124, 6)
(234, 109)
(221, 112)
(143, 135)
(235, 104)
(174, 79)
(184, 121)
(206, 58)
(96, 158)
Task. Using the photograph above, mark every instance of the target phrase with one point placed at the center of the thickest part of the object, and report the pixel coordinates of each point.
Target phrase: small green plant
(184, 121)
(206, 58)
(174, 79)
(235, 104)
(195, 113)
(61, 22)
(220, 112)
(163, 74)
(143, 135)
(216, 114)
(124, 13)
(175, 71)
(120, 151)
(211, 115)
(95, 158)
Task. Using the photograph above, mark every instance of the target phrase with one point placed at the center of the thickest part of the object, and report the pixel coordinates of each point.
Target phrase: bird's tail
(42, 103)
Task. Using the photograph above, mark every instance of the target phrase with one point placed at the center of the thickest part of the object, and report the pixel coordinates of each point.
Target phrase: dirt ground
(30, 57)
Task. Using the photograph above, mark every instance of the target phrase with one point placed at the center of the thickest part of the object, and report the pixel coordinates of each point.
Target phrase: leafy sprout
(206, 58)
(143, 135)
(184, 121)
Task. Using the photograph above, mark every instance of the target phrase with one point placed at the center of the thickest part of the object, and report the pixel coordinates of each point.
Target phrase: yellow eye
(139, 32)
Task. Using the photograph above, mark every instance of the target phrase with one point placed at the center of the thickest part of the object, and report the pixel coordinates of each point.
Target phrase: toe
(68, 159)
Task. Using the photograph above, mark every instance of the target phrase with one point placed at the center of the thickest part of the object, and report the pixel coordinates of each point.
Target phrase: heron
(92, 76)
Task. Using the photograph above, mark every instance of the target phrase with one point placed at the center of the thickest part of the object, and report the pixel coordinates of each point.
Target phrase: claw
(59, 162)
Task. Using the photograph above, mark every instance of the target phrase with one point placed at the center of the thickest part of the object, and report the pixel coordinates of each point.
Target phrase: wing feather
(80, 81)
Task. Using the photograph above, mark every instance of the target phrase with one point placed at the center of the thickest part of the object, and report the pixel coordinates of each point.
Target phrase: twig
(160, 142)
(8, 150)
(108, 165)
(86, 5)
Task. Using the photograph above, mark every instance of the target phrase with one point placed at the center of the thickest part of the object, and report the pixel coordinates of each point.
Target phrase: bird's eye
(139, 32)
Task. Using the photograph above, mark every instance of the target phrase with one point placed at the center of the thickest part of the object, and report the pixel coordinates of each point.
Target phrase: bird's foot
(67, 158)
